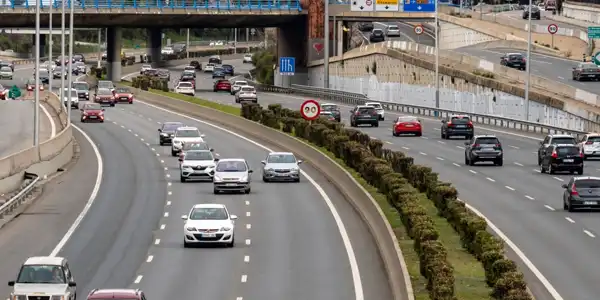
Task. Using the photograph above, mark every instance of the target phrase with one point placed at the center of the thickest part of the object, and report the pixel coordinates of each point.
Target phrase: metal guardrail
(13, 203)
(360, 99)
(226, 5)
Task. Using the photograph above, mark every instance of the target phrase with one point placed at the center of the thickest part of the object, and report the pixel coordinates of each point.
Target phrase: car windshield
(241, 83)
(487, 141)
(199, 155)
(93, 106)
(460, 120)
(377, 31)
(329, 107)
(81, 86)
(172, 126)
(105, 84)
(188, 133)
(281, 159)
(188, 73)
(407, 119)
(594, 139)
(195, 146)
(104, 92)
(366, 110)
(58, 69)
(123, 90)
(589, 66)
(563, 140)
(567, 150)
(209, 213)
(184, 85)
(325, 113)
(248, 55)
(5, 69)
(587, 184)
(376, 105)
(79, 64)
(248, 89)
(218, 69)
(227, 66)
(515, 57)
(231, 166)
(41, 274)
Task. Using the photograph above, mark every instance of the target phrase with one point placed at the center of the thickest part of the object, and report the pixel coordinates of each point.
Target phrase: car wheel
(585, 157)
(265, 179)
(539, 161)
(471, 162)
(542, 169)
(500, 162)
(466, 160)
(550, 170)
(570, 207)
(565, 205)
(580, 171)
(376, 124)
(82, 121)
(232, 243)
(161, 143)
(297, 179)
(112, 105)
(419, 134)
(185, 244)
(182, 179)
(247, 191)
(442, 135)
(215, 191)
(394, 133)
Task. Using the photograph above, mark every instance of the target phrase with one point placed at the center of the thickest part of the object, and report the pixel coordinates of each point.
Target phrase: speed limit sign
(419, 29)
(310, 110)
(552, 28)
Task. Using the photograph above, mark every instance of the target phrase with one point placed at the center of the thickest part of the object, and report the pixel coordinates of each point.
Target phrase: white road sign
(419, 29)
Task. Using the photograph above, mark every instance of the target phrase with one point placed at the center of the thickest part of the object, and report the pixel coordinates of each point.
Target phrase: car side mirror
(350, 111)
(203, 135)
(184, 217)
(466, 143)
(233, 217)
(81, 109)
(542, 143)
(250, 171)
(263, 162)
(211, 150)
(216, 159)
(564, 186)
(103, 109)
(299, 161)
(11, 283)
(502, 57)
(442, 121)
(95, 95)
(159, 130)
(72, 284)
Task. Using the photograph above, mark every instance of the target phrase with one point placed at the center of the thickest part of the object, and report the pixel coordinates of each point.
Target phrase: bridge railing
(232, 5)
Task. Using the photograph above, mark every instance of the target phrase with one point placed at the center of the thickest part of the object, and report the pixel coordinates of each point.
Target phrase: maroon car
(105, 96)
(120, 294)
(92, 112)
(123, 94)
(222, 85)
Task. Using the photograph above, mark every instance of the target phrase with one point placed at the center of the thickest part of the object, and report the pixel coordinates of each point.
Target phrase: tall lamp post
(437, 60)
(36, 93)
(62, 55)
(528, 64)
(71, 44)
(326, 52)
(50, 42)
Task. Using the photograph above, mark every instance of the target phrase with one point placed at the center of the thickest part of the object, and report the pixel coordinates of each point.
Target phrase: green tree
(263, 62)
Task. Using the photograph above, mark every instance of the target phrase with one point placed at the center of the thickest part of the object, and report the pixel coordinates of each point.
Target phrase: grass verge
(469, 274)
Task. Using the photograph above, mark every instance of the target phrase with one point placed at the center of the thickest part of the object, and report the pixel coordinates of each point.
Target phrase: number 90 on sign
(310, 110)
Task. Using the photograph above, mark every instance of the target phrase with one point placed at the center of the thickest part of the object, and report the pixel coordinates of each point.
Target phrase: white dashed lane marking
(150, 258)
(248, 242)
(456, 164)
(138, 279)
(244, 278)
(508, 187)
(569, 219)
(589, 233)
(472, 171)
(529, 197)
(549, 207)
(558, 178)
(157, 241)
(490, 179)
(439, 158)
(246, 258)
(518, 164)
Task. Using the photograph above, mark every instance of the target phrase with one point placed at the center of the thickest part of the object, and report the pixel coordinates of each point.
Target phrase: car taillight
(85, 113)
(581, 154)
(357, 113)
(574, 192)
(589, 143)
(374, 113)
(450, 124)
(554, 154)
(476, 145)
(470, 124)
(498, 146)
(524, 60)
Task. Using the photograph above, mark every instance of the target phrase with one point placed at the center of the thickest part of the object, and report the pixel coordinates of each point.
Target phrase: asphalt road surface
(515, 18)
(524, 204)
(407, 33)
(288, 245)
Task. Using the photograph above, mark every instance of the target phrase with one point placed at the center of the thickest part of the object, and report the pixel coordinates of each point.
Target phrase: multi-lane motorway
(523, 203)
(407, 33)
(289, 244)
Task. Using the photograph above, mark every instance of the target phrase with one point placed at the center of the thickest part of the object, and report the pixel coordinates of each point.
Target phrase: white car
(209, 223)
(145, 68)
(232, 175)
(247, 59)
(49, 65)
(209, 68)
(246, 94)
(6, 73)
(71, 93)
(167, 51)
(392, 30)
(590, 145)
(44, 277)
(219, 43)
(185, 135)
(378, 109)
(237, 85)
(186, 88)
(197, 164)
(281, 166)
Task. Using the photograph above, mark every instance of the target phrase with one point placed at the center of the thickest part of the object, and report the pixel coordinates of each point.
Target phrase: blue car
(218, 73)
(228, 69)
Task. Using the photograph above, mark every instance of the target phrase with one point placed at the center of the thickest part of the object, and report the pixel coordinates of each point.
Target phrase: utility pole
(36, 93)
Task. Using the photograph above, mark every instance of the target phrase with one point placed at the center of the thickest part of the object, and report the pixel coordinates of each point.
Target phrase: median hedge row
(397, 177)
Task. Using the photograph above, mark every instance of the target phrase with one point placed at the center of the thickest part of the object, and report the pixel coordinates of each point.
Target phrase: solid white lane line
(472, 171)
(246, 258)
(529, 197)
(508, 187)
(52, 124)
(439, 158)
(456, 164)
(248, 214)
(138, 279)
(558, 178)
(490, 179)
(150, 258)
(569, 219)
(549, 207)
(518, 164)
(157, 241)
(248, 242)
(589, 233)
(422, 153)
(244, 278)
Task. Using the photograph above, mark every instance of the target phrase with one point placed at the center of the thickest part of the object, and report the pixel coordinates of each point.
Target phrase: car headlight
(269, 169)
(190, 228)
(217, 178)
(164, 134)
(225, 229)
(294, 170)
(244, 179)
(19, 297)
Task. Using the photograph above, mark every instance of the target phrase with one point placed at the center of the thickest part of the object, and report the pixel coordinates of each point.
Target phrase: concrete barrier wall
(43, 160)
(582, 11)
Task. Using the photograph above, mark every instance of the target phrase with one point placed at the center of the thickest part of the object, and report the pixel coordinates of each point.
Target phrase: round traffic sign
(419, 29)
(552, 28)
(369, 2)
(310, 110)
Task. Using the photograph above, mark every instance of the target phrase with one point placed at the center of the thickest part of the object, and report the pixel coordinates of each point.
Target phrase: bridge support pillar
(346, 40)
(113, 53)
(292, 42)
(42, 45)
(155, 42)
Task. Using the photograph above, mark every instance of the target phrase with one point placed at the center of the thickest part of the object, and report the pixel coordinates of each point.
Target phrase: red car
(92, 112)
(3, 93)
(123, 94)
(31, 85)
(407, 125)
(222, 85)
(105, 96)
(120, 294)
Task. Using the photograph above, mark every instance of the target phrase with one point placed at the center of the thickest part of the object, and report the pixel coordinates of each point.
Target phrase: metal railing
(360, 99)
(160, 4)
(22, 196)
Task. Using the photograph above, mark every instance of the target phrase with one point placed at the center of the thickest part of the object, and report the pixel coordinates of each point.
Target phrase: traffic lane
(110, 243)
(515, 18)
(403, 32)
(61, 201)
(278, 221)
(16, 121)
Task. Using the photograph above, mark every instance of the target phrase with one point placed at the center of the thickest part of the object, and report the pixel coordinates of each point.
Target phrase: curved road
(288, 245)
(523, 203)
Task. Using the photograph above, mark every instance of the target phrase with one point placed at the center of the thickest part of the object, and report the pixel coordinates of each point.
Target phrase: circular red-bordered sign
(418, 29)
(552, 28)
(310, 110)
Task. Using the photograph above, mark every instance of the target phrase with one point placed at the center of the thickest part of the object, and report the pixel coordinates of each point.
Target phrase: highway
(515, 18)
(407, 33)
(523, 203)
(288, 245)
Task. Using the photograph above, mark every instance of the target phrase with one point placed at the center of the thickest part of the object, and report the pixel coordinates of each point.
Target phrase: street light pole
(71, 45)
(187, 44)
(235, 30)
(528, 63)
(326, 52)
(62, 56)
(99, 64)
(437, 60)
(50, 42)
(36, 93)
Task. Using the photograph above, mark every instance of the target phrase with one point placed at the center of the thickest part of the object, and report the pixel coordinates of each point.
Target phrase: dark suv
(166, 132)
(377, 35)
(562, 158)
(483, 148)
(581, 192)
(457, 125)
(514, 60)
(535, 13)
(363, 114)
(553, 139)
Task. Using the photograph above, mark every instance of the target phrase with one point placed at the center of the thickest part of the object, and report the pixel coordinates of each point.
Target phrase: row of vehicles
(582, 71)
(148, 70)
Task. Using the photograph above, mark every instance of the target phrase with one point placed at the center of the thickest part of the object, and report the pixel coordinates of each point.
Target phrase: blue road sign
(419, 5)
(594, 32)
(287, 66)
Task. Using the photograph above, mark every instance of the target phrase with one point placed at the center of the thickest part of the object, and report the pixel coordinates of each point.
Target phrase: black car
(196, 64)
(215, 60)
(377, 35)
(363, 114)
(78, 58)
(334, 109)
(483, 148)
(553, 139)
(457, 125)
(562, 158)
(365, 26)
(166, 132)
(514, 60)
(581, 192)
(535, 13)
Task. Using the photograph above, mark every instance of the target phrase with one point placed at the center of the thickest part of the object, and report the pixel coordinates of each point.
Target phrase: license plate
(124, 98)
(409, 125)
(460, 126)
(568, 160)
(231, 184)
(209, 235)
(283, 175)
(93, 117)
(487, 149)
(590, 202)
(592, 75)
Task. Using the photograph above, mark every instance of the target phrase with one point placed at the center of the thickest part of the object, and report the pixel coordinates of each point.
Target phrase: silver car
(281, 166)
(232, 175)
(237, 85)
(6, 73)
(392, 30)
(198, 164)
(246, 94)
